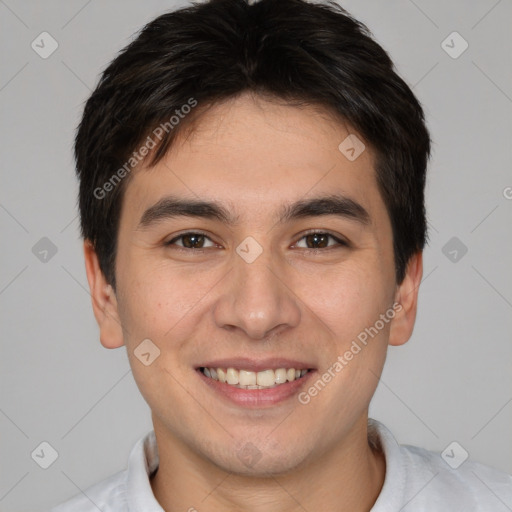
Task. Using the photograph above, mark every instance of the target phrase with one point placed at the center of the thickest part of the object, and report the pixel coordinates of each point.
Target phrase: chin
(260, 459)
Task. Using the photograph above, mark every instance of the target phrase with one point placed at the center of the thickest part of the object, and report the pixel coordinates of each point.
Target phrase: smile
(246, 379)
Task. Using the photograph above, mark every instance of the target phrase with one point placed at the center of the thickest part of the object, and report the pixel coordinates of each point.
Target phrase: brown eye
(193, 241)
(320, 240)
(190, 241)
(317, 240)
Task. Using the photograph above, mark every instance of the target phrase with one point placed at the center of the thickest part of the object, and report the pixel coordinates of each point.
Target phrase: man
(252, 206)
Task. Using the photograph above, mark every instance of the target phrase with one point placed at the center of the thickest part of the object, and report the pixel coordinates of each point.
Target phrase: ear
(104, 301)
(407, 296)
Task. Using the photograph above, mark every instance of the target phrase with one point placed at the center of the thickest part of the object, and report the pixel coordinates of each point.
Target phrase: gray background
(452, 381)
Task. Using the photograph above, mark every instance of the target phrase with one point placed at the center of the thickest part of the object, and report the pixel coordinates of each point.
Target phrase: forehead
(255, 155)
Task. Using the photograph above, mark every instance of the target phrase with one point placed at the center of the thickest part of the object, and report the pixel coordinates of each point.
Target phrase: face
(269, 279)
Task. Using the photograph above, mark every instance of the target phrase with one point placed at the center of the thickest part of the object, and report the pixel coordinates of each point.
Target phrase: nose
(257, 299)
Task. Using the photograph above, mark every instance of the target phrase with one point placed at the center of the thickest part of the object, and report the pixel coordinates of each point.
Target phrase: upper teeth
(254, 380)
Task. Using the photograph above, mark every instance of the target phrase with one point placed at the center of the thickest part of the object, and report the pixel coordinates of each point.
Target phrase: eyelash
(340, 242)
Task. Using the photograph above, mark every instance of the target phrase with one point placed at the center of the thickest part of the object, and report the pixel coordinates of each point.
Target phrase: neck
(347, 477)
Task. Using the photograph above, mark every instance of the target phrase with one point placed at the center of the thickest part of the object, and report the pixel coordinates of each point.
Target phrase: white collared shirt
(416, 480)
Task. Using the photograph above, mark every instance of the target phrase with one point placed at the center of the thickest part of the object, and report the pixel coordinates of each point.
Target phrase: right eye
(190, 241)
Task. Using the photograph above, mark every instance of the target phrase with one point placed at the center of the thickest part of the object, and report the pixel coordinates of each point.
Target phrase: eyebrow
(172, 207)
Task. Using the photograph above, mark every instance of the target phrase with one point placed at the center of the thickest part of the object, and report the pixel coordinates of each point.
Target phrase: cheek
(152, 309)
(155, 300)
(350, 297)
(163, 305)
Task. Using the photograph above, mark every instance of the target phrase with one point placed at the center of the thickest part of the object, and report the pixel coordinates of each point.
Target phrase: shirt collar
(142, 463)
(391, 495)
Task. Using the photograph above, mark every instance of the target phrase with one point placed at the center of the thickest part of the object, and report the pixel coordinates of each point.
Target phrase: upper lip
(256, 365)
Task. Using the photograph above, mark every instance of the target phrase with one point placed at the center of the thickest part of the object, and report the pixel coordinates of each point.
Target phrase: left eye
(316, 240)
(320, 240)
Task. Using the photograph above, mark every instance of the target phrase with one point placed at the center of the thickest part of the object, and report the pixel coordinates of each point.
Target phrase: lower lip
(257, 397)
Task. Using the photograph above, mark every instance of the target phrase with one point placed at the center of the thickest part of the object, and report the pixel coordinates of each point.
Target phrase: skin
(253, 156)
